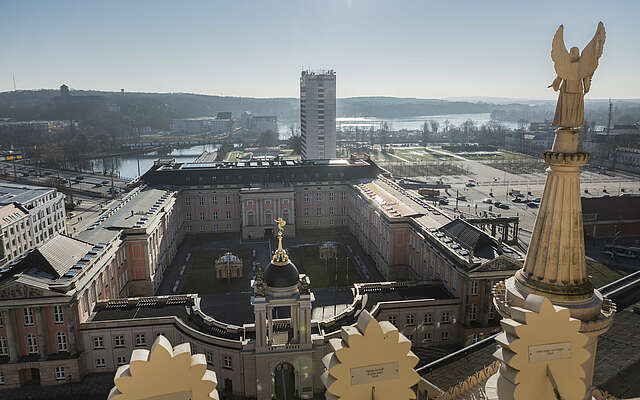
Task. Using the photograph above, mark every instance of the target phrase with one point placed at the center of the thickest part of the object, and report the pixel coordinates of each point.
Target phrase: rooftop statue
(574, 71)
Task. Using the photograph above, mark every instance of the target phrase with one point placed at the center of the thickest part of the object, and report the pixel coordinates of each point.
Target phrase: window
(228, 214)
(209, 356)
(227, 199)
(61, 340)
(306, 211)
(28, 316)
(319, 196)
(100, 363)
(332, 196)
(473, 313)
(476, 338)
(307, 197)
(474, 288)
(140, 339)
(215, 215)
(319, 212)
(119, 341)
(444, 335)
(1, 322)
(98, 342)
(392, 319)
(331, 211)
(344, 195)
(121, 360)
(342, 210)
(428, 319)
(58, 314)
(32, 344)
(4, 346)
(202, 201)
(427, 337)
(250, 218)
(1, 378)
(188, 216)
(60, 376)
(187, 200)
(201, 215)
(227, 362)
(267, 202)
(411, 319)
(444, 317)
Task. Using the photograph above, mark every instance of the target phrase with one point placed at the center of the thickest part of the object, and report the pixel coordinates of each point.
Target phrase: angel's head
(574, 53)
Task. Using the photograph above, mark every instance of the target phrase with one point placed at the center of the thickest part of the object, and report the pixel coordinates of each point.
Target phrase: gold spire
(280, 257)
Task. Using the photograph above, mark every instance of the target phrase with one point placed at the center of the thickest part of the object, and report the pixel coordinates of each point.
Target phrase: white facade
(318, 114)
(15, 233)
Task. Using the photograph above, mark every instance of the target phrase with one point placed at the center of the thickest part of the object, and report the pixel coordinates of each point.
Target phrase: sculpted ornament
(574, 71)
(165, 372)
(371, 361)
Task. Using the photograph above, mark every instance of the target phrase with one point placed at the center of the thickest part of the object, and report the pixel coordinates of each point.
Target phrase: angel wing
(592, 52)
(560, 55)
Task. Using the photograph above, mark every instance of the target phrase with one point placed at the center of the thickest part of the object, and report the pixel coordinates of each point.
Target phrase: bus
(614, 251)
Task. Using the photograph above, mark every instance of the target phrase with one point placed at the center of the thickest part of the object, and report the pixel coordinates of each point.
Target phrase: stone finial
(371, 361)
(165, 372)
(542, 353)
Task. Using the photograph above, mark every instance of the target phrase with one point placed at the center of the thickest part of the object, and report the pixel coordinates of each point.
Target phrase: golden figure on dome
(280, 256)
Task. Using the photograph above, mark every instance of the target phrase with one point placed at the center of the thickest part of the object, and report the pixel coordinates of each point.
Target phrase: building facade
(45, 218)
(124, 254)
(318, 114)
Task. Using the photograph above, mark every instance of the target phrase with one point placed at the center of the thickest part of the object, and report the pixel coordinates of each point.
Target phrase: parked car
(517, 200)
(531, 204)
(503, 206)
(488, 201)
(443, 201)
(105, 182)
(536, 200)
(470, 184)
(462, 198)
(79, 177)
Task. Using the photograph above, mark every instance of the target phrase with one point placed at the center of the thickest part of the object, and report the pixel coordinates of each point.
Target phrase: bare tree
(434, 126)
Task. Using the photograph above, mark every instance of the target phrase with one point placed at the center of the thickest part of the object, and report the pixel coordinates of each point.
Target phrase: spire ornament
(280, 257)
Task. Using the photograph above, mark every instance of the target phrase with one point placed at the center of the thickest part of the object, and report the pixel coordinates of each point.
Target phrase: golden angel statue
(574, 76)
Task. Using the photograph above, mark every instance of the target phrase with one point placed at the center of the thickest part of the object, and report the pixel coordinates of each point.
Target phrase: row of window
(27, 313)
(332, 211)
(427, 336)
(58, 373)
(118, 341)
(203, 215)
(32, 344)
(332, 196)
(203, 200)
(445, 317)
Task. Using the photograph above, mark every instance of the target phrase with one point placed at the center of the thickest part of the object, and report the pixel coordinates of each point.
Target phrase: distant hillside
(157, 109)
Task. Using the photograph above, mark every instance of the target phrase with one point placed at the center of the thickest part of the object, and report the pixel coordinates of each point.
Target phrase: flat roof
(21, 194)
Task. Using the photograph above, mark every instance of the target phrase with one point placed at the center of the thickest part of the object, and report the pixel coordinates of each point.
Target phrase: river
(127, 166)
(409, 123)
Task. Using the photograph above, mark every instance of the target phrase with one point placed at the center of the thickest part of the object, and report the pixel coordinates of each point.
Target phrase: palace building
(77, 306)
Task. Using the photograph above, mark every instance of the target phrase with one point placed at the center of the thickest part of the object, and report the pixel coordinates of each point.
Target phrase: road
(85, 182)
(494, 184)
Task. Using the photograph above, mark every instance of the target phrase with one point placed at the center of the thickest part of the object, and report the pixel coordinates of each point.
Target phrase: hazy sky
(420, 48)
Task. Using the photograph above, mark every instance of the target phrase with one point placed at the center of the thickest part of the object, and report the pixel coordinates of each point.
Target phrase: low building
(628, 159)
(45, 209)
(611, 216)
(218, 126)
(228, 266)
(15, 233)
(261, 124)
(191, 125)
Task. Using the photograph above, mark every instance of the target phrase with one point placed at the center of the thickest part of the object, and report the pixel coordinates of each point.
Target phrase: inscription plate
(547, 352)
(374, 373)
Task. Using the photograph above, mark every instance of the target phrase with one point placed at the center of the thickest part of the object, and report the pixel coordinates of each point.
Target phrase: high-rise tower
(318, 114)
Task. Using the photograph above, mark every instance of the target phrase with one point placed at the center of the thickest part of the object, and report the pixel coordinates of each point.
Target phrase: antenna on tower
(14, 82)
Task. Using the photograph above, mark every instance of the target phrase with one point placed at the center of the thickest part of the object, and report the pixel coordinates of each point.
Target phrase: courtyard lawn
(323, 273)
(602, 274)
(498, 155)
(200, 275)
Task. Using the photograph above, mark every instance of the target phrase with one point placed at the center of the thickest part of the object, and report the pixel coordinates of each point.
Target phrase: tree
(295, 143)
(434, 127)
(425, 133)
(268, 139)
